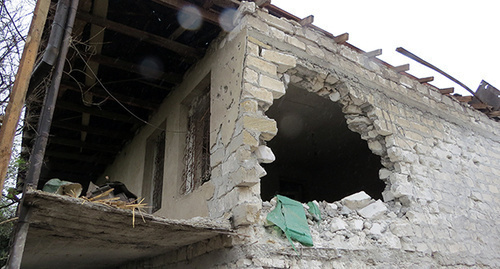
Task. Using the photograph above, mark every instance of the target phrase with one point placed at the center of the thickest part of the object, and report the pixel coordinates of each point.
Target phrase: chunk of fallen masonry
(373, 210)
(357, 201)
(264, 154)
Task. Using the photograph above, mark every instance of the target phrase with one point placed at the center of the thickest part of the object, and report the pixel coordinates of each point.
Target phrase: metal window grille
(197, 154)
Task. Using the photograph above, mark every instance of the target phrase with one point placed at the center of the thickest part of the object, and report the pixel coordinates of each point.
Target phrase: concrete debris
(355, 222)
(265, 154)
(357, 200)
(373, 210)
(337, 224)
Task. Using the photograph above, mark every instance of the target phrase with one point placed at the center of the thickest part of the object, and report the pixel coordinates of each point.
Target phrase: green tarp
(290, 217)
(314, 211)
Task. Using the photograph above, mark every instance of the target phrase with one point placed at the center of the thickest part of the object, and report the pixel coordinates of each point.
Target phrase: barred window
(197, 153)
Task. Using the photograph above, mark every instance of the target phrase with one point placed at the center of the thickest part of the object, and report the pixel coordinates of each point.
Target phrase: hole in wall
(317, 156)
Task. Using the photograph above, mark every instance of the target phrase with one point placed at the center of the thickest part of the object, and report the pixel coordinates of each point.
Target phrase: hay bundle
(107, 198)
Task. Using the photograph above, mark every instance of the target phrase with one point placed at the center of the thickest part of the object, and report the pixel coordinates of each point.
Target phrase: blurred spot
(226, 19)
(291, 126)
(189, 17)
(151, 68)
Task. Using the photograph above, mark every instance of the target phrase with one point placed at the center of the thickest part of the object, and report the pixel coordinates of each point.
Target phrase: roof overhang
(68, 232)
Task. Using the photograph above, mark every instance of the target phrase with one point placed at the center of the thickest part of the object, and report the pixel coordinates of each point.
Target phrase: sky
(460, 37)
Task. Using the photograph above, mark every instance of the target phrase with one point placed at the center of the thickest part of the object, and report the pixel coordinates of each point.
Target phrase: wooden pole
(18, 93)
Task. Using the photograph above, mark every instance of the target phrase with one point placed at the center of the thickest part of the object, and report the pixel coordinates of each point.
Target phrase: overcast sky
(460, 37)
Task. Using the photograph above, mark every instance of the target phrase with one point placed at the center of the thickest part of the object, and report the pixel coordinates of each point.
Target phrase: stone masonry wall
(441, 163)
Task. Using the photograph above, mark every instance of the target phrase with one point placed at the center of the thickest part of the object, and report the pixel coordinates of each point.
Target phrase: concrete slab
(66, 233)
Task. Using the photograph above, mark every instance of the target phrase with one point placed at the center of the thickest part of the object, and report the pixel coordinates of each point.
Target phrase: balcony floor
(66, 233)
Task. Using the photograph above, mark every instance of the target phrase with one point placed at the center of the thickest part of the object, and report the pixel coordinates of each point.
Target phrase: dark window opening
(153, 171)
(197, 154)
(317, 156)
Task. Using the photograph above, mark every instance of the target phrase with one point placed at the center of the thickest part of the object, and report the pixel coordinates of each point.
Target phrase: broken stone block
(401, 228)
(345, 211)
(245, 177)
(277, 87)
(267, 127)
(392, 241)
(284, 61)
(376, 229)
(357, 200)
(357, 225)
(329, 209)
(261, 65)
(373, 210)
(265, 154)
(335, 96)
(246, 214)
(337, 224)
(384, 173)
(376, 147)
(387, 195)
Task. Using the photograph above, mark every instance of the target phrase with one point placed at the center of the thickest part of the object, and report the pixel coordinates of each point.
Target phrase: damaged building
(213, 110)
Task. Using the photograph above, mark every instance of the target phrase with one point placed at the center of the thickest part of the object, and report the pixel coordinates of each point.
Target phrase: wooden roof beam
(86, 145)
(463, 99)
(341, 38)
(307, 20)
(262, 3)
(208, 4)
(373, 53)
(79, 157)
(100, 92)
(97, 112)
(190, 53)
(426, 79)
(401, 68)
(480, 106)
(447, 90)
(112, 133)
(207, 15)
(135, 68)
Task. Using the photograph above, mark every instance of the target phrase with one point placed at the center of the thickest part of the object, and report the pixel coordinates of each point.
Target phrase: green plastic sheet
(290, 217)
(314, 211)
(62, 187)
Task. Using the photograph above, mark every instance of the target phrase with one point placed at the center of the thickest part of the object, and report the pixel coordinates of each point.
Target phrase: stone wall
(441, 162)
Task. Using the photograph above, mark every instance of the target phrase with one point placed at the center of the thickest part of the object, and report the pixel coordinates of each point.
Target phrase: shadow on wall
(317, 156)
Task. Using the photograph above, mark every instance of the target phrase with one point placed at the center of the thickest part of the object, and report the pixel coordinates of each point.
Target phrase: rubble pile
(355, 222)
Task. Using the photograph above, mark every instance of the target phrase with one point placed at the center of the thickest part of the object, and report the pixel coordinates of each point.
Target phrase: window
(153, 170)
(197, 153)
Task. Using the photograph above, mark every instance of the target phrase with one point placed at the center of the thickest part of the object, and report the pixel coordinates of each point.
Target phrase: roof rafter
(191, 54)
(112, 133)
(122, 98)
(207, 15)
(97, 112)
(135, 68)
(83, 144)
